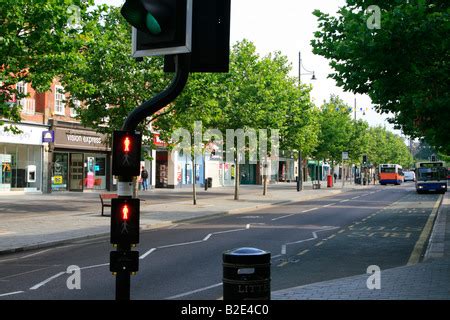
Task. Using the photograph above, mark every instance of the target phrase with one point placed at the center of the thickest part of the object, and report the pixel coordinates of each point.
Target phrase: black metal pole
(123, 280)
(146, 109)
(182, 62)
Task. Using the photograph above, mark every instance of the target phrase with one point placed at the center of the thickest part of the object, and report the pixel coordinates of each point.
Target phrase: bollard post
(246, 274)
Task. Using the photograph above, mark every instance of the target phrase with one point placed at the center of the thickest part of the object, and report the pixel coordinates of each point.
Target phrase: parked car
(409, 176)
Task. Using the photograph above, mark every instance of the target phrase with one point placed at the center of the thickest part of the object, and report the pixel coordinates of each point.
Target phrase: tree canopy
(38, 40)
(403, 65)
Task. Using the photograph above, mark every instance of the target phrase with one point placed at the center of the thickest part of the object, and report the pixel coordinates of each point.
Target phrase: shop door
(162, 169)
(76, 172)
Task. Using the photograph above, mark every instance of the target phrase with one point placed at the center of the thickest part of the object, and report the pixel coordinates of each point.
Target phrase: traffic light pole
(125, 186)
(182, 63)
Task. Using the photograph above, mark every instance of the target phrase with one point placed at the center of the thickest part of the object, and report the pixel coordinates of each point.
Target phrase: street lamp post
(300, 169)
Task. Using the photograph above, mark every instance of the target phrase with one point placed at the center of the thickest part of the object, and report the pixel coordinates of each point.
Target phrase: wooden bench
(107, 196)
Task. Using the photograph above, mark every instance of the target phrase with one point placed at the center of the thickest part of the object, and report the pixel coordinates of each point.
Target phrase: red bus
(391, 174)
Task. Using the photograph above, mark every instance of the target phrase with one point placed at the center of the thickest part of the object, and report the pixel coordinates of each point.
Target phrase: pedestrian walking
(144, 177)
(335, 177)
(374, 177)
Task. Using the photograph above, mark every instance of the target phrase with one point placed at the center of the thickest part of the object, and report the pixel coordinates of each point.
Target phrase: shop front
(81, 161)
(21, 158)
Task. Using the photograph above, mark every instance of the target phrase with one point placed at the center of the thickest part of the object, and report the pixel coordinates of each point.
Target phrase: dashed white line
(247, 226)
(329, 205)
(287, 216)
(356, 197)
(344, 200)
(283, 249)
(40, 284)
(10, 293)
(147, 253)
(193, 291)
(310, 210)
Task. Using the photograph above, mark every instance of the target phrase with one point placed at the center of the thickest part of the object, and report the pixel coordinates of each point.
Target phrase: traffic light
(160, 26)
(125, 221)
(210, 37)
(126, 153)
(364, 158)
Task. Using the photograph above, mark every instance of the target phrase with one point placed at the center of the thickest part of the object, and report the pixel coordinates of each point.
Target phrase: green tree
(38, 41)
(336, 130)
(386, 147)
(108, 81)
(403, 66)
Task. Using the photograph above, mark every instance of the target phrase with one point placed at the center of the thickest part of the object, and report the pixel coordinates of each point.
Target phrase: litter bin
(329, 181)
(209, 182)
(246, 274)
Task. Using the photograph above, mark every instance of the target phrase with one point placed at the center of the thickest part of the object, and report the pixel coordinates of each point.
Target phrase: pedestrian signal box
(125, 221)
(126, 153)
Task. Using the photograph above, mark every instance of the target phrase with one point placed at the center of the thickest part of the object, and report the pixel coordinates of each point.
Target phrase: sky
(289, 27)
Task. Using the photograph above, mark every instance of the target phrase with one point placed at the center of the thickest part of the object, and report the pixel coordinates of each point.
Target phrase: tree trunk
(194, 191)
(265, 184)
(238, 179)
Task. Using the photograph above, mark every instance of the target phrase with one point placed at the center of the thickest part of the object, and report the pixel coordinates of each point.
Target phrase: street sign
(345, 155)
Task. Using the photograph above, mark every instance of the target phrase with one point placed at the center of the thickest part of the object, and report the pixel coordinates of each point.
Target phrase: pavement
(426, 280)
(32, 221)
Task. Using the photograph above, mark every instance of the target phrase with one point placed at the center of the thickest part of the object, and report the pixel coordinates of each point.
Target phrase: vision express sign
(76, 139)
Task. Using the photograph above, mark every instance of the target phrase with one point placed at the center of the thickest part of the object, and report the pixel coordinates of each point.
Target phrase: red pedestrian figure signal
(125, 221)
(125, 211)
(126, 144)
(126, 153)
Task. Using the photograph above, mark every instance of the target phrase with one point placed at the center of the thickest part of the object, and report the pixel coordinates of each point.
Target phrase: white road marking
(193, 291)
(10, 293)
(147, 253)
(95, 266)
(227, 231)
(286, 216)
(344, 200)
(35, 254)
(247, 226)
(293, 214)
(283, 249)
(310, 210)
(314, 237)
(207, 237)
(356, 197)
(329, 205)
(40, 284)
(179, 244)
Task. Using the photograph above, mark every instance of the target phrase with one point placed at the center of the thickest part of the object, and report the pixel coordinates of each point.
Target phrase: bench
(107, 196)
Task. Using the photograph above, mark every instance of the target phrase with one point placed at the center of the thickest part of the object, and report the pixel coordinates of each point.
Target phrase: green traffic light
(136, 14)
(152, 24)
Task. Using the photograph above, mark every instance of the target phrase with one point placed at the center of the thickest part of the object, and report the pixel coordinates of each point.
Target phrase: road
(311, 241)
